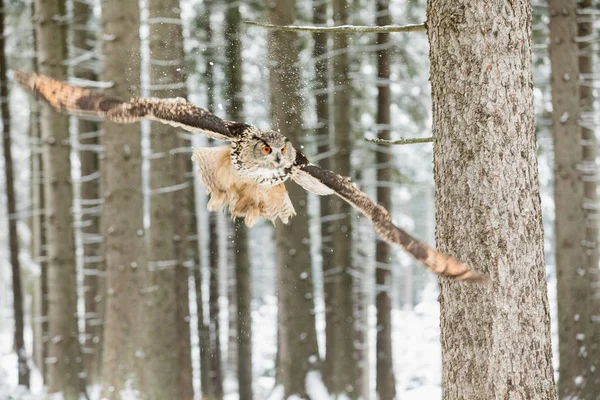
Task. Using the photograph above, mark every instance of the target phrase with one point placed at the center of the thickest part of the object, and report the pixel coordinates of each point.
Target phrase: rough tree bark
(167, 366)
(64, 357)
(13, 237)
(496, 338)
(341, 372)
(297, 352)
(93, 258)
(386, 385)
(243, 278)
(122, 224)
(575, 175)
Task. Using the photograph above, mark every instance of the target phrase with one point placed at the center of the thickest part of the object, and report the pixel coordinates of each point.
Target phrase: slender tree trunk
(297, 352)
(13, 238)
(167, 366)
(208, 354)
(324, 138)
(64, 357)
(122, 222)
(243, 277)
(342, 367)
(496, 338)
(386, 385)
(575, 200)
(216, 368)
(93, 264)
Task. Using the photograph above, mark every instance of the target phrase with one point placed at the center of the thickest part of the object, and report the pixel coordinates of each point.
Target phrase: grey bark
(385, 382)
(575, 201)
(341, 372)
(297, 352)
(13, 238)
(93, 274)
(496, 338)
(122, 224)
(64, 357)
(242, 280)
(167, 366)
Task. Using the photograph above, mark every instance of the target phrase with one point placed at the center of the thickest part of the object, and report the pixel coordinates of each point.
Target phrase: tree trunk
(342, 367)
(324, 138)
(216, 368)
(167, 366)
(297, 352)
(206, 344)
(386, 385)
(93, 260)
(13, 238)
(496, 338)
(38, 232)
(122, 223)
(575, 202)
(243, 277)
(64, 357)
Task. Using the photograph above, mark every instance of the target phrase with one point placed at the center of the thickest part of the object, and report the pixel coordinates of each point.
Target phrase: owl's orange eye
(284, 150)
(266, 149)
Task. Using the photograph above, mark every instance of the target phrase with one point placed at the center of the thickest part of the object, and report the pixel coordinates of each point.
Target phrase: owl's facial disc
(277, 153)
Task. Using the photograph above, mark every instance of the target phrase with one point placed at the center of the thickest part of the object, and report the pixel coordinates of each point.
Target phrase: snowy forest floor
(416, 343)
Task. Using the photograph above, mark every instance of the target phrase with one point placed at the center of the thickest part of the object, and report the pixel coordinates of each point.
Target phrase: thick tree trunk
(13, 238)
(64, 357)
(93, 257)
(297, 352)
(496, 338)
(122, 224)
(386, 385)
(575, 201)
(242, 278)
(167, 370)
(341, 364)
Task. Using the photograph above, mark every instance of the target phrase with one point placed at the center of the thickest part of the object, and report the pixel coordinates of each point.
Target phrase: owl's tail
(244, 197)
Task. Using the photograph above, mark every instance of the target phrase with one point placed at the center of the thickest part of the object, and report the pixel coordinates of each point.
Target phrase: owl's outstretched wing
(80, 101)
(323, 182)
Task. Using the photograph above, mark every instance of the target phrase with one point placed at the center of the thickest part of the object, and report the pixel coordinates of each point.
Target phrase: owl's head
(270, 150)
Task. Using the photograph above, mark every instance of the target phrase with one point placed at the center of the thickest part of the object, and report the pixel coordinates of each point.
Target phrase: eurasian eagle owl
(248, 175)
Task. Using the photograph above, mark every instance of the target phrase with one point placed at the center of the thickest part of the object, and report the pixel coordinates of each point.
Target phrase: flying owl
(247, 176)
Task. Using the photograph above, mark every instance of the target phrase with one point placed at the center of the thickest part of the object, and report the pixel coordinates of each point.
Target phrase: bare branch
(342, 28)
(401, 141)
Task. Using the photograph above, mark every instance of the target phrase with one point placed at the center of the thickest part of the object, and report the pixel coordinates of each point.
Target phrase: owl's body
(248, 191)
(248, 175)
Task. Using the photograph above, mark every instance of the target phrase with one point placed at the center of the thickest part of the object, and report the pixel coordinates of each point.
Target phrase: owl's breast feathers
(244, 196)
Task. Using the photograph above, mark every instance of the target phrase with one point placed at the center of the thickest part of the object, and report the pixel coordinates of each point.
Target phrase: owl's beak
(278, 159)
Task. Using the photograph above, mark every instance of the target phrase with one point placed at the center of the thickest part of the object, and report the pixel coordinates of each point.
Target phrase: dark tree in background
(575, 175)
(386, 385)
(242, 278)
(17, 289)
(496, 338)
(64, 357)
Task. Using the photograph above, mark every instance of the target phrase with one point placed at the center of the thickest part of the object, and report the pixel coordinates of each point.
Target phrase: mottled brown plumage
(247, 176)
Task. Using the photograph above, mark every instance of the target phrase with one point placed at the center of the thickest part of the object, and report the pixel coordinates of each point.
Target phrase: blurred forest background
(122, 284)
